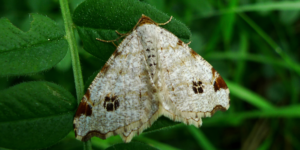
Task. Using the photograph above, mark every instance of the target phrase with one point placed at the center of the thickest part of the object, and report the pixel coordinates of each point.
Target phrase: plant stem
(203, 142)
(87, 145)
(73, 48)
(74, 56)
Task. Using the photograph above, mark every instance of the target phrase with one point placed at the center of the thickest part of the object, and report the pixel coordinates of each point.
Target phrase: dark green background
(253, 44)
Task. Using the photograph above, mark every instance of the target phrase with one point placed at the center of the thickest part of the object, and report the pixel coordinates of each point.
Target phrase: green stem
(203, 142)
(87, 145)
(74, 55)
(73, 48)
(249, 96)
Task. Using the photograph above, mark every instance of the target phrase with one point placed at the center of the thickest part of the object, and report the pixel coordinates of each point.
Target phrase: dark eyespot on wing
(219, 84)
(197, 87)
(84, 108)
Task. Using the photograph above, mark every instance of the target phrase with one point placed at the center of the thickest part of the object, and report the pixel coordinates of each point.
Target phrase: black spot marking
(148, 49)
(150, 65)
(200, 90)
(195, 90)
(194, 83)
(110, 107)
(198, 87)
(149, 56)
(107, 99)
(140, 95)
(154, 63)
(113, 98)
(153, 55)
(199, 82)
(111, 103)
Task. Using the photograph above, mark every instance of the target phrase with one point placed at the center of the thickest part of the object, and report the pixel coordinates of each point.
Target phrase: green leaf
(131, 146)
(289, 16)
(100, 18)
(39, 49)
(249, 96)
(228, 22)
(162, 123)
(35, 115)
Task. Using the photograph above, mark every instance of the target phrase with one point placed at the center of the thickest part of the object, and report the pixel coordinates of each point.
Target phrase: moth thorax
(151, 58)
(149, 41)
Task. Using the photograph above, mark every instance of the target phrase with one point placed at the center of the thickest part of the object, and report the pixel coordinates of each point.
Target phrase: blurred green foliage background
(253, 44)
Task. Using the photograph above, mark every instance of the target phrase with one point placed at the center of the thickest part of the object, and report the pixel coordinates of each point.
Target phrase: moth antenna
(122, 34)
(112, 41)
(161, 24)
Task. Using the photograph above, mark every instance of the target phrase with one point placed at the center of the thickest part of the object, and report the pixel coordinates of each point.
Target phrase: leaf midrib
(33, 45)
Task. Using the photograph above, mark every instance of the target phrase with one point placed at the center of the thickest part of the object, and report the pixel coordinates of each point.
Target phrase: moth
(151, 73)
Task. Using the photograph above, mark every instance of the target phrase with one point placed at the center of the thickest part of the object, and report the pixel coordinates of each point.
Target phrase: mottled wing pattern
(119, 100)
(193, 89)
(151, 73)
